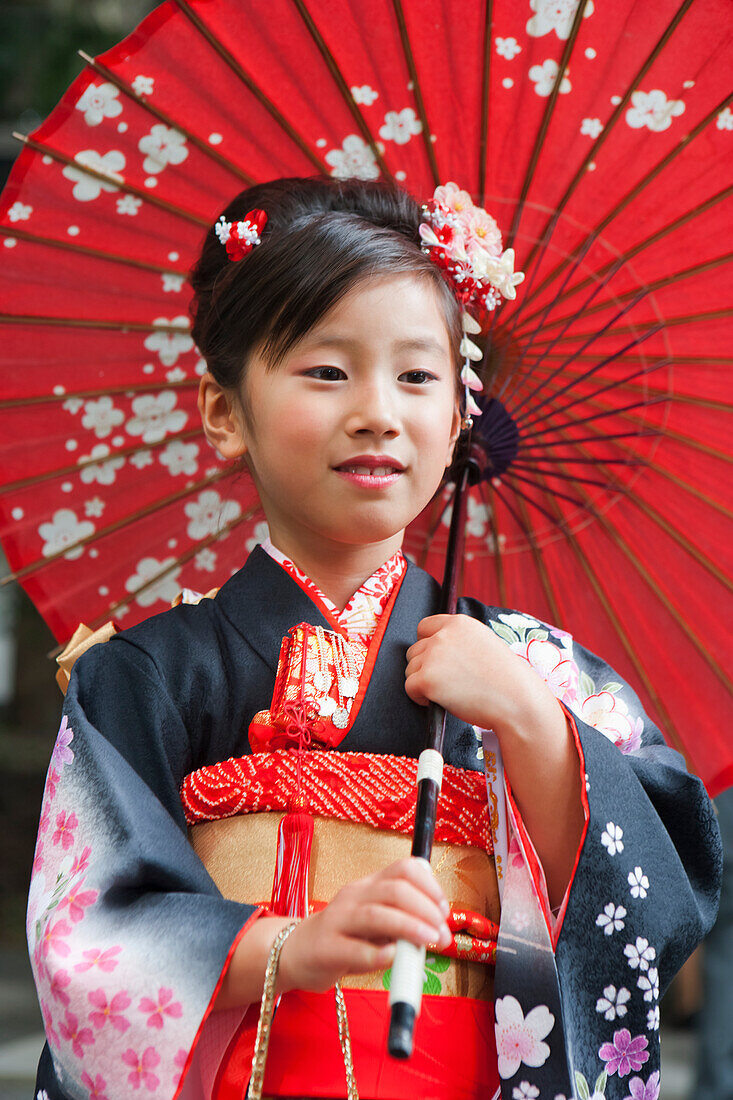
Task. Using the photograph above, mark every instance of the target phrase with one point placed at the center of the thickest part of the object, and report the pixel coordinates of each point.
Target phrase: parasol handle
(408, 969)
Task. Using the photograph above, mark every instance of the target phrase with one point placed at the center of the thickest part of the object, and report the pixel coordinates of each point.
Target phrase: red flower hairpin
(241, 237)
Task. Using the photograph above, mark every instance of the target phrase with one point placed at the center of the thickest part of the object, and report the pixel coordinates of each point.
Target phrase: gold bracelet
(267, 1009)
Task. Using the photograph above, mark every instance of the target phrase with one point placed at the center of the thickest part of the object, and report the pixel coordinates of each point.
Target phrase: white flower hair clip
(240, 238)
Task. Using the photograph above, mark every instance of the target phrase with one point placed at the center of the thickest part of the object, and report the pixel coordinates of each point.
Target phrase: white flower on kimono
(400, 126)
(640, 954)
(260, 533)
(180, 458)
(525, 1091)
(613, 1003)
(478, 734)
(554, 15)
(652, 1019)
(169, 345)
(609, 715)
(87, 188)
(517, 621)
(129, 204)
(104, 470)
(208, 514)
(591, 126)
(638, 882)
(611, 838)
(611, 919)
(157, 580)
(99, 101)
(724, 119)
(653, 110)
(507, 47)
(143, 85)
(102, 417)
(20, 212)
(163, 146)
(544, 76)
(552, 665)
(41, 1095)
(155, 416)
(364, 94)
(649, 984)
(519, 1037)
(64, 530)
(354, 159)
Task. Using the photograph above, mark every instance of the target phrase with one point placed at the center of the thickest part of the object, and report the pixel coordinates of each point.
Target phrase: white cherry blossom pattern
(172, 283)
(400, 126)
(652, 1019)
(93, 508)
(155, 416)
(724, 119)
(554, 15)
(552, 665)
(169, 345)
(648, 983)
(638, 883)
(519, 1037)
(525, 1091)
(163, 575)
(354, 159)
(103, 471)
(99, 101)
(101, 416)
(364, 94)
(162, 146)
(64, 529)
(611, 838)
(260, 534)
(544, 76)
(208, 514)
(180, 458)
(129, 204)
(609, 714)
(87, 188)
(205, 560)
(175, 375)
(143, 85)
(640, 954)
(141, 459)
(20, 212)
(613, 1003)
(507, 47)
(653, 110)
(611, 919)
(515, 620)
(591, 126)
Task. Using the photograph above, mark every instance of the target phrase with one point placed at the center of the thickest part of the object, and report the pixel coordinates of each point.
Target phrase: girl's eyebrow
(415, 343)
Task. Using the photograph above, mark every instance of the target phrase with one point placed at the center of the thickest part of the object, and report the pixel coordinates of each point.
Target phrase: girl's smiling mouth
(371, 471)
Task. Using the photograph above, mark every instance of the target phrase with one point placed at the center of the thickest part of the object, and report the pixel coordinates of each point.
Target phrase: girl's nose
(374, 412)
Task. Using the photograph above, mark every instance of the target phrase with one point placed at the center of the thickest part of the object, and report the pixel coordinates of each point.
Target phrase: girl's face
(349, 436)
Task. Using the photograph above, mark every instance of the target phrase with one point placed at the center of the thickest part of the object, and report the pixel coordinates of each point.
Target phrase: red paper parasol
(601, 138)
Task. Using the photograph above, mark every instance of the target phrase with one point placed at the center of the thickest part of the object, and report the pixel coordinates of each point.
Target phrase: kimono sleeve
(128, 935)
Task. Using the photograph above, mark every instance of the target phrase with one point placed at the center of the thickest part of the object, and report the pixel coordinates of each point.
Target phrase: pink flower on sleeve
(77, 1036)
(96, 1087)
(109, 1010)
(51, 781)
(105, 960)
(142, 1067)
(624, 1053)
(59, 982)
(51, 1033)
(77, 900)
(52, 940)
(81, 863)
(45, 821)
(65, 825)
(180, 1063)
(62, 754)
(163, 1007)
(38, 854)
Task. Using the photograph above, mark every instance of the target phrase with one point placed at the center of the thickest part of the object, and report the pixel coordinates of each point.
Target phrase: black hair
(321, 238)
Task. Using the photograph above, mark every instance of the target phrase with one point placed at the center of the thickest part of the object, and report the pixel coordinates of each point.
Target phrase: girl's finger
(415, 649)
(420, 874)
(414, 692)
(403, 895)
(368, 922)
(431, 625)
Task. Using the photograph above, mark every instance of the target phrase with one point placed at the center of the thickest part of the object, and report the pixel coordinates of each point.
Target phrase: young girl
(334, 345)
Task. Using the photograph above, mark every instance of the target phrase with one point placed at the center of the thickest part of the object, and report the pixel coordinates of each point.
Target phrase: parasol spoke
(680, 360)
(342, 86)
(89, 322)
(416, 89)
(612, 486)
(278, 117)
(551, 428)
(118, 182)
(545, 124)
(576, 258)
(487, 496)
(483, 147)
(103, 391)
(85, 250)
(683, 319)
(558, 619)
(600, 437)
(156, 505)
(512, 474)
(203, 146)
(513, 512)
(678, 398)
(530, 462)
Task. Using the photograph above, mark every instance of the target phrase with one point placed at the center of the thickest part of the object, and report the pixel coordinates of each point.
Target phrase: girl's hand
(356, 932)
(459, 663)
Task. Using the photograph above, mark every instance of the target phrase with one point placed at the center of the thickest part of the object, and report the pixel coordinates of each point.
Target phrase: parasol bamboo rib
(558, 619)
(681, 360)
(84, 250)
(124, 452)
(546, 119)
(208, 35)
(669, 322)
(599, 437)
(487, 495)
(596, 416)
(125, 521)
(483, 146)
(599, 142)
(119, 183)
(143, 102)
(511, 475)
(417, 90)
(576, 257)
(674, 395)
(89, 322)
(106, 391)
(341, 84)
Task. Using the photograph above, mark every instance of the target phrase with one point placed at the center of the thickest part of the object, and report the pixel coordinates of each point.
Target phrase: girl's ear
(455, 431)
(220, 418)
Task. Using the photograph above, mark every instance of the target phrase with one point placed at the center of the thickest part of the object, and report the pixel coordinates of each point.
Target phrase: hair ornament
(240, 238)
(464, 241)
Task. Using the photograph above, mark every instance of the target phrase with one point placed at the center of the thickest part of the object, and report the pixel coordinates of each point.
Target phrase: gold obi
(239, 854)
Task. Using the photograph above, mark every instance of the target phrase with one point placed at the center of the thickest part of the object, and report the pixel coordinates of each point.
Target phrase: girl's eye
(327, 374)
(417, 377)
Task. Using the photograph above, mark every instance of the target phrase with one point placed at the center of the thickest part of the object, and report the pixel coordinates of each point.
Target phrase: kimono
(129, 936)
